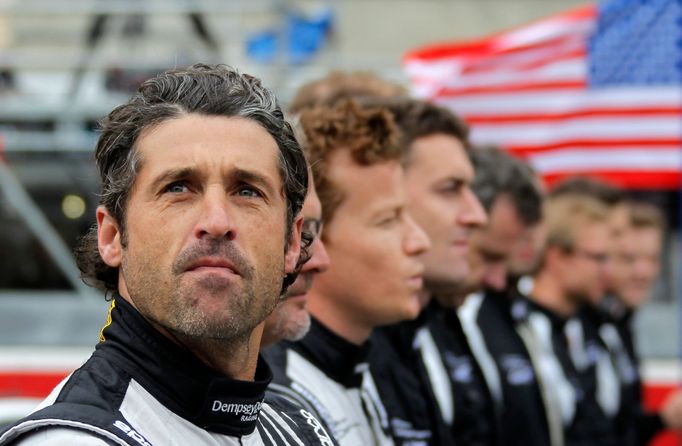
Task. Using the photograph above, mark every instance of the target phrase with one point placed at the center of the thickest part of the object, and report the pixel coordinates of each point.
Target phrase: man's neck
(339, 320)
(450, 300)
(236, 358)
(448, 295)
(548, 293)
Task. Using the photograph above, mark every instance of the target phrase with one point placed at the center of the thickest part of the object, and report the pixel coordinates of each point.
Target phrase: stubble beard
(176, 305)
(291, 324)
(578, 298)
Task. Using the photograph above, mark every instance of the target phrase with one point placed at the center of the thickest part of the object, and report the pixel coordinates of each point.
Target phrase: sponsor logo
(460, 367)
(322, 434)
(132, 433)
(519, 370)
(404, 430)
(245, 411)
(594, 352)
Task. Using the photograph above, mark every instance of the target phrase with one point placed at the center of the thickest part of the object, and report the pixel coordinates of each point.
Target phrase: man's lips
(301, 286)
(291, 294)
(462, 245)
(299, 300)
(416, 282)
(416, 279)
(212, 263)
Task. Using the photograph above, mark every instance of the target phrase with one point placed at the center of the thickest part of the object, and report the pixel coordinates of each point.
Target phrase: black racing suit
(508, 369)
(637, 426)
(584, 422)
(140, 388)
(329, 376)
(403, 386)
(596, 371)
(455, 378)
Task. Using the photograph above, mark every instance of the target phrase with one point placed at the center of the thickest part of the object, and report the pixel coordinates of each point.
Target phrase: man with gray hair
(511, 194)
(290, 320)
(510, 191)
(198, 235)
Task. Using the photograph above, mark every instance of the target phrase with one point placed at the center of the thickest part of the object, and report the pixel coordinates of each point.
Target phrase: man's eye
(249, 192)
(451, 187)
(390, 219)
(177, 188)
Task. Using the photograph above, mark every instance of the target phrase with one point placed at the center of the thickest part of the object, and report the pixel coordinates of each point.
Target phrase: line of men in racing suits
(446, 299)
(458, 302)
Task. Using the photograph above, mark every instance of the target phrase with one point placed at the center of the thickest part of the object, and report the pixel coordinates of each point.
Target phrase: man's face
(618, 222)
(439, 197)
(585, 268)
(204, 254)
(637, 262)
(492, 245)
(291, 319)
(527, 252)
(375, 275)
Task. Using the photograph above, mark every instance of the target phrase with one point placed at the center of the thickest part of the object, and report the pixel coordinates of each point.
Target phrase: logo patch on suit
(460, 367)
(517, 369)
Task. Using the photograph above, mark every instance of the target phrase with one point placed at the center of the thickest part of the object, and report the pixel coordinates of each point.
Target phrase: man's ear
(555, 257)
(294, 246)
(108, 238)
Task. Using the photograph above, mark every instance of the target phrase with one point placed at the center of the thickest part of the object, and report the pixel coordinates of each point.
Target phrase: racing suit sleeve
(59, 436)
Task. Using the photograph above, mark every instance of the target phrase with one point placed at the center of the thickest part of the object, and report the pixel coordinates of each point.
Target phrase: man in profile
(638, 229)
(409, 360)
(635, 268)
(374, 277)
(290, 320)
(511, 194)
(198, 235)
(603, 347)
(572, 275)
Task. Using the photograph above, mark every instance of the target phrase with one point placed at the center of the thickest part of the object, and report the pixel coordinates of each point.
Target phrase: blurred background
(64, 64)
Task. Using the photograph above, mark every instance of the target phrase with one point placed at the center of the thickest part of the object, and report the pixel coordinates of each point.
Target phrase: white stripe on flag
(566, 70)
(436, 70)
(562, 161)
(488, 104)
(593, 128)
(545, 30)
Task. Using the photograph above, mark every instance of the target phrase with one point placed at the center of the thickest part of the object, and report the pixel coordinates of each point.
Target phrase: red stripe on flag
(592, 113)
(506, 88)
(525, 57)
(595, 144)
(577, 54)
(629, 179)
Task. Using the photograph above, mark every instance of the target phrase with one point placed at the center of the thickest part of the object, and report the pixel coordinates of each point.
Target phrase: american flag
(594, 91)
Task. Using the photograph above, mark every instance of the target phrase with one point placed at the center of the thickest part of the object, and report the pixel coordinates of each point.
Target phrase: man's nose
(215, 220)
(416, 240)
(319, 258)
(473, 215)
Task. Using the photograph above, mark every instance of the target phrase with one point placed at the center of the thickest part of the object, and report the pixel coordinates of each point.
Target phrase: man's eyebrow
(173, 175)
(454, 178)
(234, 175)
(237, 175)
